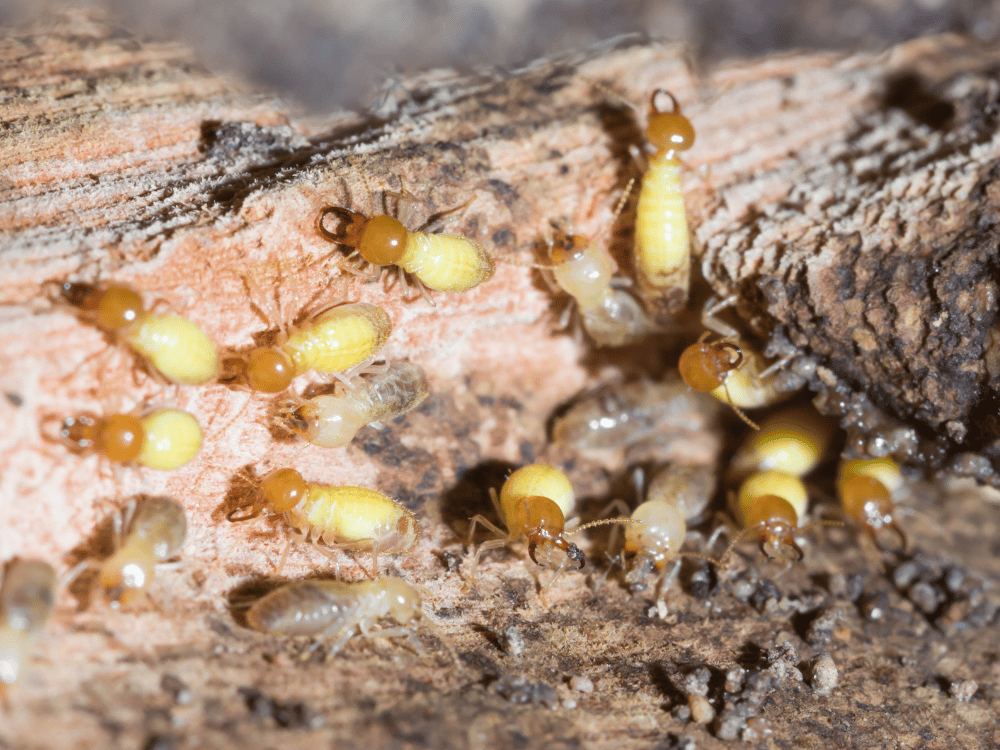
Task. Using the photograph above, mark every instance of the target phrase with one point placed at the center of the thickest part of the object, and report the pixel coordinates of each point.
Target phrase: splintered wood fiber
(847, 200)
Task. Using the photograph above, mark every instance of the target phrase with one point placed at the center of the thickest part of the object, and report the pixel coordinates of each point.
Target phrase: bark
(847, 199)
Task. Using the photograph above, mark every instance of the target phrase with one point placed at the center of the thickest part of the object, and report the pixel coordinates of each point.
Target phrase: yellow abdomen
(446, 263)
(339, 338)
(776, 483)
(354, 514)
(171, 438)
(176, 347)
(663, 254)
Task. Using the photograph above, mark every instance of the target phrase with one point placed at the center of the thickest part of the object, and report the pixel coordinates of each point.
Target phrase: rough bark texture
(853, 214)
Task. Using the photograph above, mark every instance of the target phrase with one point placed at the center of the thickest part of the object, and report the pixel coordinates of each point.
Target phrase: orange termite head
(380, 240)
(775, 520)
(668, 131)
(282, 489)
(704, 367)
(118, 437)
(542, 523)
(268, 370)
(113, 307)
(868, 503)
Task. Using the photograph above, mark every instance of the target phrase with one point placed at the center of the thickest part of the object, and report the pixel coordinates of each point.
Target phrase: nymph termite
(348, 518)
(339, 610)
(155, 529)
(332, 420)
(866, 488)
(442, 262)
(772, 506)
(161, 438)
(610, 315)
(169, 345)
(662, 242)
(533, 504)
(337, 340)
(27, 596)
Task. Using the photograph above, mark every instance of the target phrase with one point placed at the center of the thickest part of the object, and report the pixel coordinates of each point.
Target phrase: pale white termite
(27, 596)
(332, 420)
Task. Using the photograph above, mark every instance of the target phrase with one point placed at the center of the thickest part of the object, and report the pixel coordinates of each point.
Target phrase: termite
(442, 262)
(772, 505)
(155, 529)
(623, 415)
(677, 496)
(339, 610)
(170, 345)
(533, 504)
(610, 316)
(866, 488)
(792, 440)
(332, 420)
(663, 247)
(163, 438)
(27, 596)
(337, 340)
(334, 517)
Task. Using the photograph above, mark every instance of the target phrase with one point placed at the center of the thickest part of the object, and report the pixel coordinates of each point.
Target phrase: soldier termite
(348, 518)
(332, 420)
(162, 438)
(533, 504)
(336, 340)
(339, 610)
(610, 316)
(866, 488)
(27, 596)
(772, 505)
(442, 262)
(155, 529)
(663, 248)
(170, 345)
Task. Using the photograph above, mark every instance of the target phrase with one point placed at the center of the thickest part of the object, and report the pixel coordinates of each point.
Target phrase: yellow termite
(162, 438)
(772, 505)
(169, 345)
(155, 531)
(27, 596)
(533, 504)
(866, 488)
(610, 316)
(792, 440)
(337, 341)
(662, 241)
(442, 262)
(332, 420)
(335, 517)
(677, 496)
(339, 610)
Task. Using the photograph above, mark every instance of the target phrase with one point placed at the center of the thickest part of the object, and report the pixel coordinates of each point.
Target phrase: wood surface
(832, 202)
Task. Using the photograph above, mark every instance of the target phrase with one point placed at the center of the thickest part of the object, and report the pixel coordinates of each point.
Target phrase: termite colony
(673, 519)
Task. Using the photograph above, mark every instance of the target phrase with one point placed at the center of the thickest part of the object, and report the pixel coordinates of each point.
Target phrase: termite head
(581, 268)
(282, 489)
(380, 240)
(118, 437)
(542, 523)
(660, 533)
(704, 366)
(404, 600)
(868, 503)
(668, 131)
(113, 307)
(774, 519)
(126, 575)
(268, 370)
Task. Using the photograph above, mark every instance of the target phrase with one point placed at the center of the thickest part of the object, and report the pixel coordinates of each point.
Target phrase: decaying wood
(855, 216)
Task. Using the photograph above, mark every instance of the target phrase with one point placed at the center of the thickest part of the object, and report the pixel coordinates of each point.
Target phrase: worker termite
(610, 316)
(677, 496)
(27, 596)
(339, 610)
(442, 262)
(337, 341)
(866, 488)
(792, 440)
(772, 505)
(169, 345)
(332, 517)
(533, 504)
(332, 420)
(662, 241)
(622, 415)
(163, 438)
(155, 529)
